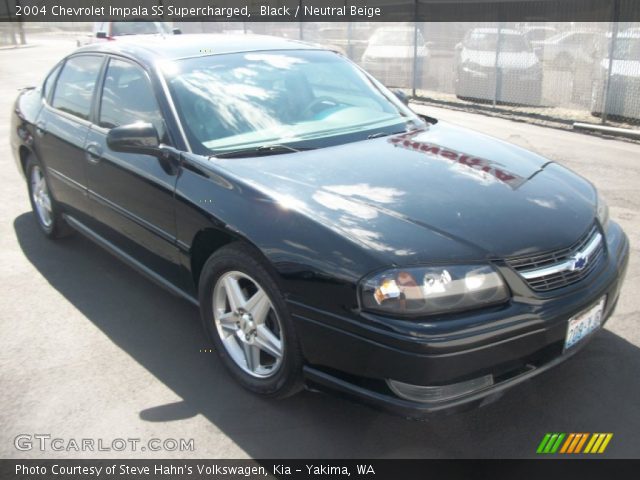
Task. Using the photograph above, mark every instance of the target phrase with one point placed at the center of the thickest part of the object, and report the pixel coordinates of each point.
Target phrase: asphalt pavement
(90, 349)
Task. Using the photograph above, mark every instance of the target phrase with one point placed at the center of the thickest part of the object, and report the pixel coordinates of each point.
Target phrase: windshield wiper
(274, 149)
(384, 134)
(378, 135)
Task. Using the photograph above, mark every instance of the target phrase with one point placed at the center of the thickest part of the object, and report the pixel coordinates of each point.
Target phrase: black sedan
(330, 236)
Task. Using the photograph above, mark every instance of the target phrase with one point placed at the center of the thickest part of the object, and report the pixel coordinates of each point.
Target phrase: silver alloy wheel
(247, 324)
(40, 195)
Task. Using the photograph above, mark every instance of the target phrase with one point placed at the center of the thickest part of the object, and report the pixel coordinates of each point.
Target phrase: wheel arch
(209, 240)
(24, 152)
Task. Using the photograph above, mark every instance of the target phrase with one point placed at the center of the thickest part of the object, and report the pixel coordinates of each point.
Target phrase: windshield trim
(172, 107)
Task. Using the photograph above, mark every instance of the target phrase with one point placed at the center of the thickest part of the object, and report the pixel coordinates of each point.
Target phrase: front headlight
(428, 290)
(602, 211)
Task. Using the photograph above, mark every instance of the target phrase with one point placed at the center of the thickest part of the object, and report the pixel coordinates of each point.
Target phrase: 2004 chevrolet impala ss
(329, 234)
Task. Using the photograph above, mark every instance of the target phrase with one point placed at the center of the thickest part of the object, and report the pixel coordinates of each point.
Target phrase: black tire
(57, 228)
(287, 379)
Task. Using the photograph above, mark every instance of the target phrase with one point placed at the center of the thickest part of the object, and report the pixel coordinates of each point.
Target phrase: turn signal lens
(603, 213)
(388, 290)
(439, 393)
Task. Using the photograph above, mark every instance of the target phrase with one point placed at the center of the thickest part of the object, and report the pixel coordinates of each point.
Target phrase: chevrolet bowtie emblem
(579, 262)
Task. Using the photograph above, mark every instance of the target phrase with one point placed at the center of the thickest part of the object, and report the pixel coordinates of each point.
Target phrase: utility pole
(414, 70)
(23, 40)
(612, 45)
(498, 70)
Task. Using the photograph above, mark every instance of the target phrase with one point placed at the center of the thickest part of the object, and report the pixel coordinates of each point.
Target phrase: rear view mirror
(134, 138)
(176, 31)
(101, 35)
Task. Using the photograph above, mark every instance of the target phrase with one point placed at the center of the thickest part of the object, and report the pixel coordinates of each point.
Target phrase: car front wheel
(44, 206)
(246, 318)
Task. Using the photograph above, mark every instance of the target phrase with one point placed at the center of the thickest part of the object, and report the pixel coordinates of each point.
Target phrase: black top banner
(321, 10)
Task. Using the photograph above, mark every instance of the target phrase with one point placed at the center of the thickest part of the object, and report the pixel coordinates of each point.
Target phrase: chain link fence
(573, 72)
(582, 72)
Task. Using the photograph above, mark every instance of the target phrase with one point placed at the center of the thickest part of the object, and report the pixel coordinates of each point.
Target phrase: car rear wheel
(244, 315)
(44, 206)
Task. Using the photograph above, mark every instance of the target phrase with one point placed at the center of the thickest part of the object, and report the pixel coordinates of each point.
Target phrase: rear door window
(47, 87)
(75, 85)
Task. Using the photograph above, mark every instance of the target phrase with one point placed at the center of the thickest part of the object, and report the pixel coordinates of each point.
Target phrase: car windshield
(138, 28)
(488, 41)
(538, 34)
(395, 38)
(300, 98)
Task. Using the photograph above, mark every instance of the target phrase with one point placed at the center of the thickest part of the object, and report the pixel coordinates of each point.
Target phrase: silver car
(389, 55)
(109, 31)
(517, 78)
(564, 50)
(624, 88)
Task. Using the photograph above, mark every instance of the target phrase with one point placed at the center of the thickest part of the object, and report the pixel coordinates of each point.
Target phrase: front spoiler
(318, 379)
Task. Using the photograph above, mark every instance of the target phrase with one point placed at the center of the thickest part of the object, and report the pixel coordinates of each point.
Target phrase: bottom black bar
(107, 469)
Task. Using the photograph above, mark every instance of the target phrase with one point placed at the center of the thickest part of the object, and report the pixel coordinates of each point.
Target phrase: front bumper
(515, 87)
(513, 342)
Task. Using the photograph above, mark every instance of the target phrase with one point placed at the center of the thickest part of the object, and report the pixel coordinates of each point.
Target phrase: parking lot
(90, 349)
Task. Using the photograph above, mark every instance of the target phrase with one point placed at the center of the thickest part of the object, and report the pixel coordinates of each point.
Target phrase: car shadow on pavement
(595, 391)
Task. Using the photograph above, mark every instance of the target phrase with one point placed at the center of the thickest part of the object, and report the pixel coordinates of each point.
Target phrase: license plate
(583, 324)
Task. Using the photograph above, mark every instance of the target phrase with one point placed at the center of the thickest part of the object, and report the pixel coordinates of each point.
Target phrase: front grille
(533, 268)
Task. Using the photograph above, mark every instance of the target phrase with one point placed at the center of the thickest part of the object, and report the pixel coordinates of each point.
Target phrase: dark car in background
(330, 236)
(517, 78)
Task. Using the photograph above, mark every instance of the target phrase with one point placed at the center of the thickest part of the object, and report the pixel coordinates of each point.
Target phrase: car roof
(504, 31)
(528, 28)
(577, 30)
(400, 28)
(148, 49)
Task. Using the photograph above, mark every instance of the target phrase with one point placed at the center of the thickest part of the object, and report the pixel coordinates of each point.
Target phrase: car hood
(515, 60)
(443, 193)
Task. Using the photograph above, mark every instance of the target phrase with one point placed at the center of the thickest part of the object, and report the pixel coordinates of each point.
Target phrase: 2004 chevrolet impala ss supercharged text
(330, 236)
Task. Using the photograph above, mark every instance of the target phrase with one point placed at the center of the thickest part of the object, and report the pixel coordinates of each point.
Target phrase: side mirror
(176, 31)
(101, 35)
(134, 138)
(403, 97)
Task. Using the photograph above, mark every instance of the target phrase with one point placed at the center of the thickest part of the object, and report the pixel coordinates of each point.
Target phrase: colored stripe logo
(573, 443)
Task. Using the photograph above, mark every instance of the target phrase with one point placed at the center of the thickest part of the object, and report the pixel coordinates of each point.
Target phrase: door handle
(41, 128)
(93, 152)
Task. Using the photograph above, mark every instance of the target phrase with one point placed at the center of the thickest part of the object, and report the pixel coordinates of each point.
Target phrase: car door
(62, 128)
(131, 195)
